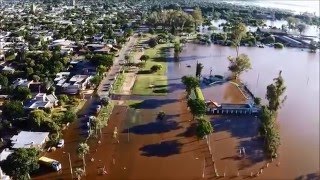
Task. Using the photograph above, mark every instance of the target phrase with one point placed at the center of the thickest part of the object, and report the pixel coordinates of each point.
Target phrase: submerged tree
(199, 70)
(301, 28)
(197, 107)
(204, 128)
(275, 92)
(239, 64)
(269, 131)
(313, 46)
(190, 83)
(238, 31)
(177, 50)
(82, 150)
(291, 22)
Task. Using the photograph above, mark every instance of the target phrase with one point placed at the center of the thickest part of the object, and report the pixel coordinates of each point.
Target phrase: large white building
(26, 139)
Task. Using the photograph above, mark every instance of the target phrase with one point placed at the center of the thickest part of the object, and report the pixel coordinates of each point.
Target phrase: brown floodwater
(299, 117)
(224, 93)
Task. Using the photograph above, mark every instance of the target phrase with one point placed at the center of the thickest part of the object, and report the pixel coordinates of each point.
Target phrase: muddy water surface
(299, 117)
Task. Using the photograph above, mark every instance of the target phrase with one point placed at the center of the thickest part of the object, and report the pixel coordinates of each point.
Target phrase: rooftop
(27, 139)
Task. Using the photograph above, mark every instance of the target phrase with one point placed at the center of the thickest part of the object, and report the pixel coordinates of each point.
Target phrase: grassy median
(117, 86)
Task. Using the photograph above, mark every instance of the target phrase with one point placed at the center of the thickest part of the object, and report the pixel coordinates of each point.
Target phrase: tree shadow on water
(153, 128)
(163, 149)
(189, 132)
(238, 126)
(155, 103)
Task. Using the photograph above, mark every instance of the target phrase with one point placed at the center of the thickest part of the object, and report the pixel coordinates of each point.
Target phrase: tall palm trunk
(84, 164)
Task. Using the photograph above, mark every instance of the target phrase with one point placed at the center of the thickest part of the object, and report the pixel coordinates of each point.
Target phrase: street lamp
(69, 163)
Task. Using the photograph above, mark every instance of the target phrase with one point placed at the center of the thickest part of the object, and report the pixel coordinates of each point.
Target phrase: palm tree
(82, 150)
(79, 173)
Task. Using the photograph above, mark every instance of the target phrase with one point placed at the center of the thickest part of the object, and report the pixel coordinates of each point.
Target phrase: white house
(26, 139)
(21, 82)
(41, 101)
(75, 84)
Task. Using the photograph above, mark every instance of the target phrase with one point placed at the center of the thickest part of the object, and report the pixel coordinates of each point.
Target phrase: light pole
(69, 163)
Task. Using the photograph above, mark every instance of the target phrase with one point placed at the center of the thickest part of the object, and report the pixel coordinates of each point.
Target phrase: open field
(150, 85)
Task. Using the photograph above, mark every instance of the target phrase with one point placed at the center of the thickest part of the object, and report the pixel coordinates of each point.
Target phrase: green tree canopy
(204, 128)
(156, 68)
(197, 16)
(238, 31)
(13, 109)
(275, 93)
(21, 93)
(21, 163)
(3, 81)
(105, 60)
(69, 116)
(177, 50)
(37, 117)
(152, 42)
(144, 57)
(190, 82)
(239, 64)
(197, 107)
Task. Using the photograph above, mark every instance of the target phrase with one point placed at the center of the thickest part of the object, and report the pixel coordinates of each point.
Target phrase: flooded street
(151, 149)
(299, 117)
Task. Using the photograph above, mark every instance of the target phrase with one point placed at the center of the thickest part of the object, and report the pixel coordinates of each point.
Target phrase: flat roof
(26, 139)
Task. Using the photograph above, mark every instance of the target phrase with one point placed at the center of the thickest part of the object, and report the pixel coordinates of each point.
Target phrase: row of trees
(197, 107)
(175, 20)
(268, 129)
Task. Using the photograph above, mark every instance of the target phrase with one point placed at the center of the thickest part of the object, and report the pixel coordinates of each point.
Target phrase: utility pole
(255, 90)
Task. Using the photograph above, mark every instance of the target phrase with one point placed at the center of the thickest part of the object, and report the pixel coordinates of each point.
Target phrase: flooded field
(151, 149)
(224, 93)
(299, 117)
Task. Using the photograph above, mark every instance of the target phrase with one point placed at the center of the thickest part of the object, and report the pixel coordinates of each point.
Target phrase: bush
(155, 68)
(64, 98)
(151, 31)
(152, 42)
(278, 45)
(144, 57)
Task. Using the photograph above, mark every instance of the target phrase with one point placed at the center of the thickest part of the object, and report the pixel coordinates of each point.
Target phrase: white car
(60, 143)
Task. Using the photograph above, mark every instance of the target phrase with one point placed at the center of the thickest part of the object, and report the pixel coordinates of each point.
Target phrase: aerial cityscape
(159, 89)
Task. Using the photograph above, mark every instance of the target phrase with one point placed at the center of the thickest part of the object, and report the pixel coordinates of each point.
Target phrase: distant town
(155, 90)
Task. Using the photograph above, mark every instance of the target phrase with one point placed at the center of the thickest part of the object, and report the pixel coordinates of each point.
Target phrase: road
(103, 89)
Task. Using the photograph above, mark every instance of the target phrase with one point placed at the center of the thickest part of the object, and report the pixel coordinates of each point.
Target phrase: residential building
(76, 84)
(41, 101)
(21, 82)
(26, 139)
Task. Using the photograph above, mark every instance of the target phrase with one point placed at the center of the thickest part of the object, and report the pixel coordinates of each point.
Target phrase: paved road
(103, 89)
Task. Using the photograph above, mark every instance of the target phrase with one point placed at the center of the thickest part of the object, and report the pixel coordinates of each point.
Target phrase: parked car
(60, 143)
